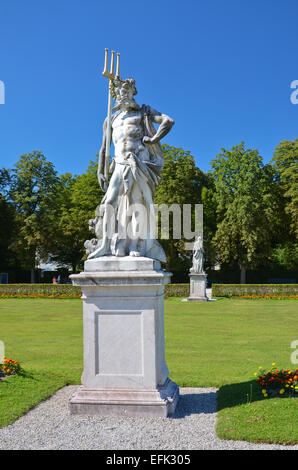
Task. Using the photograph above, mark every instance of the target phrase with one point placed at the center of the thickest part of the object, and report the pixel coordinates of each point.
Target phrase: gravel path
(49, 426)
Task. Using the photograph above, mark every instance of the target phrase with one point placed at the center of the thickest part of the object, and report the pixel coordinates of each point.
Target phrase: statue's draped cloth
(139, 182)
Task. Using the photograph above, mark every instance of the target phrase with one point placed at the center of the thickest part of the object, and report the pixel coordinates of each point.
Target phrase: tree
(209, 205)
(285, 161)
(286, 255)
(285, 168)
(244, 207)
(77, 201)
(4, 181)
(181, 184)
(33, 188)
(7, 222)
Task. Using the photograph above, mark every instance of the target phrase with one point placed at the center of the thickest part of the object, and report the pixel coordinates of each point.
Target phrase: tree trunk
(33, 264)
(242, 274)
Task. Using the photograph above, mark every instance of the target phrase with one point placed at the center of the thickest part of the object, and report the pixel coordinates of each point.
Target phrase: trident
(110, 76)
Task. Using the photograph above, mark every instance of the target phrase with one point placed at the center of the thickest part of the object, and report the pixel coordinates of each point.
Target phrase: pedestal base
(160, 402)
(125, 371)
(197, 287)
(202, 299)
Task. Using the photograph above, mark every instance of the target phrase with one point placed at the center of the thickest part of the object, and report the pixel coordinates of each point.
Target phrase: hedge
(239, 290)
(40, 290)
(70, 291)
(171, 290)
(177, 290)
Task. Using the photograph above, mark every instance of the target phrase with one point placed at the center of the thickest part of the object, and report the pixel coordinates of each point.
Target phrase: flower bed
(276, 297)
(9, 367)
(277, 382)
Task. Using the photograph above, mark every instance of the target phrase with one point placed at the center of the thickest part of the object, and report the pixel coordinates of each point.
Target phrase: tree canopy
(250, 209)
(244, 207)
(33, 187)
(75, 205)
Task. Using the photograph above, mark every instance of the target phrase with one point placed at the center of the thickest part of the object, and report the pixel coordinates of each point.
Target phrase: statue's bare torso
(128, 133)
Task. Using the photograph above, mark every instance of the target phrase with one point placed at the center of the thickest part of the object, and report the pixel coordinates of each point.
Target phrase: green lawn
(218, 344)
(222, 344)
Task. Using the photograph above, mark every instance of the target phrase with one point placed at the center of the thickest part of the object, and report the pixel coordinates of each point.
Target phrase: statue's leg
(120, 250)
(113, 191)
(138, 219)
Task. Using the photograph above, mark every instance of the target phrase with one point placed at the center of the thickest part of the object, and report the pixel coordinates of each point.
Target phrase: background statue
(136, 168)
(198, 256)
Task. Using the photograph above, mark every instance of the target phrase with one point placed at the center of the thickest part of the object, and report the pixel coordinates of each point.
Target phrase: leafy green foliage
(181, 184)
(250, 209)
(209, 220)
(70, 291)
(244, 206)
(235, 290)
(33, 187)
(7, 228)
(286, 254)
(77, 201)
(285, 160)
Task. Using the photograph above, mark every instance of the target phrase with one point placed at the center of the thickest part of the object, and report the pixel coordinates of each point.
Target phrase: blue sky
(221, 68)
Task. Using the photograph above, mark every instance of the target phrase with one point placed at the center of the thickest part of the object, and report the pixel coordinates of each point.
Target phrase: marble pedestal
(125, 372)
(198, 283)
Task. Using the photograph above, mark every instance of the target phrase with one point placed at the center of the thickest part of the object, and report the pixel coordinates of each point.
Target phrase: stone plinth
(125, 372)
(197, 289)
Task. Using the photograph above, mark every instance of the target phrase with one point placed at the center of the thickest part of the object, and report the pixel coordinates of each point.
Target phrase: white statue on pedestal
(125, 371)
(198, 256)
(126, 212)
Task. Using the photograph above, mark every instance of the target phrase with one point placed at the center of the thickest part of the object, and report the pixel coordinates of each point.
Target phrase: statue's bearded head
(123, 92)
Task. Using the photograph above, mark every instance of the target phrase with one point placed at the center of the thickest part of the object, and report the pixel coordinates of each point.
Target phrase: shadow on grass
(237, 394)
(35, 376)
(22, 373)
(26, 375)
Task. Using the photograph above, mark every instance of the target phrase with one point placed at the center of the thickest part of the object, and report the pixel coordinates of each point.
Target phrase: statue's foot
(134, 253)
(119, 252)
(100, 251)
(120, 248)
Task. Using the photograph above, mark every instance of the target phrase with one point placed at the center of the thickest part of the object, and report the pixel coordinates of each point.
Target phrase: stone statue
(125, 371)
(136, 172)
(198, 256)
